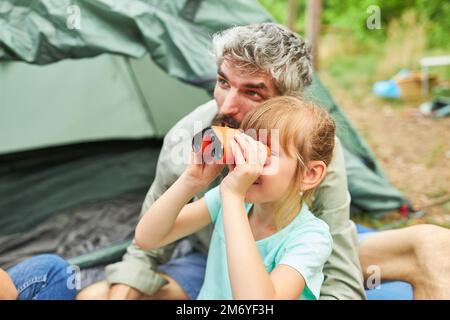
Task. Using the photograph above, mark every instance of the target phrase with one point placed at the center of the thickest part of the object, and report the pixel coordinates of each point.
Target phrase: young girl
(266, 244)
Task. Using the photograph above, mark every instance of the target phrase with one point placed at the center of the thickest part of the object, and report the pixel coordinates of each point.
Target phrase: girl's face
(271, 188)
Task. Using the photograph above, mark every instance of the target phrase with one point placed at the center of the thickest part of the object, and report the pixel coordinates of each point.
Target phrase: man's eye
(254, 94)
(222, 82)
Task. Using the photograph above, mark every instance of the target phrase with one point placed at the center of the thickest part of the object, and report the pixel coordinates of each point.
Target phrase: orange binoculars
(214, 142)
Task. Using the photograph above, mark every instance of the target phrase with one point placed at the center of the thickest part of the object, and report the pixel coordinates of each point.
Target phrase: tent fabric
(79, 201)
(91, 232)
(38, 32)
(101, 98)
(43, 173)
(371, 193)
(39, 183)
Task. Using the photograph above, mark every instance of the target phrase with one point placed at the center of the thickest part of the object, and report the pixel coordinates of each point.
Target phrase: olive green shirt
(330, 202)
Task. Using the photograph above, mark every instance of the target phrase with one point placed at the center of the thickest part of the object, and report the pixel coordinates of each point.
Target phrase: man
(255, 63)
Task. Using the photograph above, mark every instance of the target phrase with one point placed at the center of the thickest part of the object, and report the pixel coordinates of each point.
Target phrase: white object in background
(427, 62)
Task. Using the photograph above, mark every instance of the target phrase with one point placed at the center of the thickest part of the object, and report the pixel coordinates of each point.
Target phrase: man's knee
(170, 291)
(431, 243)
(96, 291)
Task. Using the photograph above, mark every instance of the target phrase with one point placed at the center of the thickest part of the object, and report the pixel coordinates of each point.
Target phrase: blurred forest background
(414, 150)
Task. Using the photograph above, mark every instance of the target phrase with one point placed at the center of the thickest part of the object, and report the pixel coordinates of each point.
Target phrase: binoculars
(214, 143)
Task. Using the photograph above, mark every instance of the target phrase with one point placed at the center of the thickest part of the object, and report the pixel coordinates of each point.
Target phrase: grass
(362, 70)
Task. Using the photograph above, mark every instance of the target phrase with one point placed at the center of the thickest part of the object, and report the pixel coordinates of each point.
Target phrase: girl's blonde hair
(306, 133)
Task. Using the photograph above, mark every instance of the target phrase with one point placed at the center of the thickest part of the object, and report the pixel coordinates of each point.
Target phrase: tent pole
(314, 18)
(292, 14)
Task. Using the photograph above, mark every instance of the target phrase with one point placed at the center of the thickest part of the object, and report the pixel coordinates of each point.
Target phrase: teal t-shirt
(305, 245)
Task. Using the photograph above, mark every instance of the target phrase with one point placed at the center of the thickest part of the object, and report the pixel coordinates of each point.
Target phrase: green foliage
(352, 16)
(279, 10)
(437, 14)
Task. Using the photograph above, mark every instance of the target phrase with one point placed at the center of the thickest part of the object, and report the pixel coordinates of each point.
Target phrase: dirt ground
(414, 151)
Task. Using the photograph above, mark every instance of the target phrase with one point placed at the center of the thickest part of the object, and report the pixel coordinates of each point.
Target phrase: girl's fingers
(241, 144)
(259, 151)
(256, 150)
(241, 141)
(248, 146)
(196, 157)
(262, 153)
(237, 153)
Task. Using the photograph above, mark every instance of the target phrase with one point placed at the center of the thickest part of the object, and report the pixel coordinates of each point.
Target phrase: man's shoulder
(201, 117)
(336, 172)
(175, 153)
(332, 194)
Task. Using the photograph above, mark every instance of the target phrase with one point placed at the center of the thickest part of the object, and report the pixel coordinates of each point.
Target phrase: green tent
(83, 111)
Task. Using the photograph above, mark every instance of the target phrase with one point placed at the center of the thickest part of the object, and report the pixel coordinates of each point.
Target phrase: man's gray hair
(271, 48)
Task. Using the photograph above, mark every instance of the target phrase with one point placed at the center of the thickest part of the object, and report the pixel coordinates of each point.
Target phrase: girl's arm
(248, 275)
(170, 217)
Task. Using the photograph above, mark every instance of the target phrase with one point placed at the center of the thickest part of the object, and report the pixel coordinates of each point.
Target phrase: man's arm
(331, 203)
(135, 274)
(8, 290)
(137, 270)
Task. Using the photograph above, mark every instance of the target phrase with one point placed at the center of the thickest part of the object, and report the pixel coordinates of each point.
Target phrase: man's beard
(225, 121)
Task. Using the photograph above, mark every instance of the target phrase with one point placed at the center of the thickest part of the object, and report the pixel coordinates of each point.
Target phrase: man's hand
(123, 292)
(8, 290)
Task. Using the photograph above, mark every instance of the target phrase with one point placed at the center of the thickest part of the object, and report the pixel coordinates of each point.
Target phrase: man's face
(238, 92)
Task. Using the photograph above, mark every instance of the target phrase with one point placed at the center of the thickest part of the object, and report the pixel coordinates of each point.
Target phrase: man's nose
(230, 106)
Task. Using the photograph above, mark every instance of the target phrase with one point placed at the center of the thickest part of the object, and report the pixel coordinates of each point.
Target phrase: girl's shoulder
(307, 228)
(306, 220)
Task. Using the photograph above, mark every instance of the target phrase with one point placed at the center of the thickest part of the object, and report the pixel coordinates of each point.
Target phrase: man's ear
(314, 175)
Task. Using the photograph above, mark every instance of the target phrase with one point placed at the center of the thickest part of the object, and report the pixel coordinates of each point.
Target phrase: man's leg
(418, 255)
(185, 276)
(43, 277)
(388, 290)
(100, 291)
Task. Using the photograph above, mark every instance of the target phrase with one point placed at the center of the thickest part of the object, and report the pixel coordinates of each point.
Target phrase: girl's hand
(250, 156)
(199, 173)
